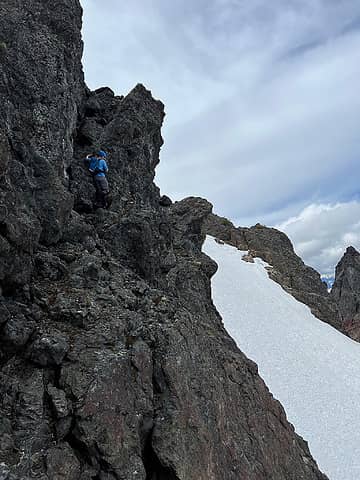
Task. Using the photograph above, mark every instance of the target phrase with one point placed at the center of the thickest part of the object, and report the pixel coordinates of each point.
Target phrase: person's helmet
(102, 154)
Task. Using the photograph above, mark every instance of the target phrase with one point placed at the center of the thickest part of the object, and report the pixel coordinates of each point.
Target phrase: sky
(262, 106)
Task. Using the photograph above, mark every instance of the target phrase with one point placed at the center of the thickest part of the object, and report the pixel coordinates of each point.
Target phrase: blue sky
(262, 104)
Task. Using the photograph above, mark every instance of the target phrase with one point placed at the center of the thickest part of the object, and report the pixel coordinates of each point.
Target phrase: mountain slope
(274, 247)
(309, 366)
(114, 363)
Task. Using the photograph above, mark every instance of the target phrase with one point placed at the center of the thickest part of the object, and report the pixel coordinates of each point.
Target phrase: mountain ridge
(303, 282)
(114, 362)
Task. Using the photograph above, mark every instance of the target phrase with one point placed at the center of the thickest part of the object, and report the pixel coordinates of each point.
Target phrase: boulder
(17, 332)
(165, 201)
(49, 350)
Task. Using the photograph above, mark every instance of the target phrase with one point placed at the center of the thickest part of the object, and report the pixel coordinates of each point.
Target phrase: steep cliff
(287, 269)
(346, 292)
(41, 90)
(114, 363)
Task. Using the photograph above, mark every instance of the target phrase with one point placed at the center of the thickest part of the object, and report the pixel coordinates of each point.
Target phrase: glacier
(310, 367)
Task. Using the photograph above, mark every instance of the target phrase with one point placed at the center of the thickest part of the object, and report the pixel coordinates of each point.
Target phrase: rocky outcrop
(41, 89)
(114, 363)
(286, 268)
(346, 292)
(105, 375)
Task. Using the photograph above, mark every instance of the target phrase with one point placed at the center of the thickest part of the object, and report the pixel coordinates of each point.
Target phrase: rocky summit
(346, 292)
(114, 363)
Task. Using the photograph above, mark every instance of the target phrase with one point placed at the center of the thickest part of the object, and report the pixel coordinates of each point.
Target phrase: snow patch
(310, 367)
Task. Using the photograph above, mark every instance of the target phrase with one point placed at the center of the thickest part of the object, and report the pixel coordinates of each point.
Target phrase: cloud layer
(322, 232)
(261, 97)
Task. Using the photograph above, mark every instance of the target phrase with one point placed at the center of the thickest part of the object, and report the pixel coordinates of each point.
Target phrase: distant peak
(351, 251)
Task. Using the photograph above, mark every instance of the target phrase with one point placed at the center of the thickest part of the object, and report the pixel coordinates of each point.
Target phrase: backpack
(93, 167)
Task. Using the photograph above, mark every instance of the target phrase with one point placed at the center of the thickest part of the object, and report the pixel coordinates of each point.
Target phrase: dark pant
(102, 191)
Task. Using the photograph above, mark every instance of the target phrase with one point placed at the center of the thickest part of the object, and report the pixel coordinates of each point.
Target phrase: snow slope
(310, 367)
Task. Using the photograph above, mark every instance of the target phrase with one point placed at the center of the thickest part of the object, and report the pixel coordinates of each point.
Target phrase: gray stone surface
(346, 292)
(114, 363)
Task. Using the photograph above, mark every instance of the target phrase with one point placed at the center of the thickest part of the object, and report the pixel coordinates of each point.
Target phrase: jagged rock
(7, 444)
(49, 350)
(78, 230)
(165, 201)
(189, 216)
(248, 258)
(59, 402)
(41, 88)
(346, 292)
(116, 363)
(168, 262)
(117, 395)
(275, 248)
(3, 213)
(4, 314)
(131, 135)
(4, 472)
(49, 266)
(61, 463)
(17, 332)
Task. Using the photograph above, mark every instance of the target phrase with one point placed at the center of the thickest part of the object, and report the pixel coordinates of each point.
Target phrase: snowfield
(309, 366)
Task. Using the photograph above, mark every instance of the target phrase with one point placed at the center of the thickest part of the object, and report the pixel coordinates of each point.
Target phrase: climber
(97, 166)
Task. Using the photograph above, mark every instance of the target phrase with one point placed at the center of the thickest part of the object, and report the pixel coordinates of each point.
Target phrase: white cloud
(322, 232)
(261, 97)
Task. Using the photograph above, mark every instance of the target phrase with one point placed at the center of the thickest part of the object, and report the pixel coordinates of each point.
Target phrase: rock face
(41, 89)
(114, 363)
(346, 292)
(287, 269)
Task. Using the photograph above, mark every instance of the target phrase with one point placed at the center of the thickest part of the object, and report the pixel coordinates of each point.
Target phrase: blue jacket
(97, 166)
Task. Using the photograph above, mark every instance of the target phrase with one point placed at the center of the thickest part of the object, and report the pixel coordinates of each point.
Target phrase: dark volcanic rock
(165, 201)
(41, 89)
(49, 350)
(287, 269)
(62, 463)
(131, 135)
(346, 292)
(17, 331)
(114, 363)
